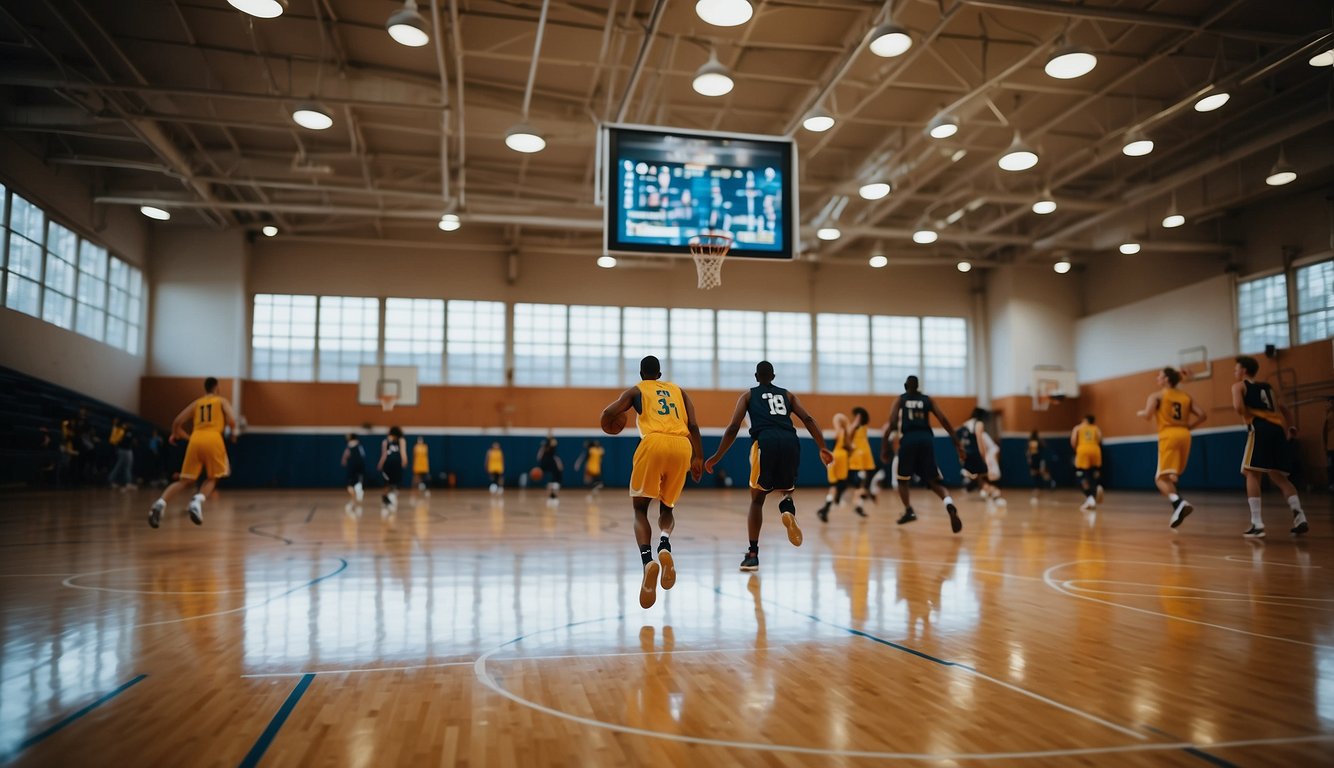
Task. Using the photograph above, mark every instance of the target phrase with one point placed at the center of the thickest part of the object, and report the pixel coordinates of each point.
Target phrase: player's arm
(1150, 406)
(949, 430)
(812, 426)
(343, 461)
(696, 448)
(178, 423)
(1198, 413)
(1238, 399)
(628, 399)
(579, 462)
(384, 452)
(230, 415)
(1074, 436)
(729, 434)
(886, 445)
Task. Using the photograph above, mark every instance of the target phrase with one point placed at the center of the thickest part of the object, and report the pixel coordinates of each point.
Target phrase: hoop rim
(387, 402)
(710, 242)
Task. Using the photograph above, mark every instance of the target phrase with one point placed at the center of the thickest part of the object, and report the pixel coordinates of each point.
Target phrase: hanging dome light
(1212, 101)
(153, 212)
(1045, 204)
(942, 126)
(606, 262)
(889, 40)
(1069, 63)
(1129, 249)
(712, 79)
(407, 27)
(1173, 219)
(1325, 59)
(269, 230)
(828, 233)
(312, 117)
(724, 13)
(263, 9)
(925, 236)
(964, 266)
(1019, 157)
(449, 222)
(522, 138)
(1061, 267)
(1137, 145)
(878, 261)
(1282, 173)
(818, 121)
(874, 191)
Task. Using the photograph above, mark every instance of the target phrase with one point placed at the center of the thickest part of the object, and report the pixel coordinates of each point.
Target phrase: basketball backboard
(376, 381)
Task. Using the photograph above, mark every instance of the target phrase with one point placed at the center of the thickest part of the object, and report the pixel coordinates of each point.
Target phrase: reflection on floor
(471, 629)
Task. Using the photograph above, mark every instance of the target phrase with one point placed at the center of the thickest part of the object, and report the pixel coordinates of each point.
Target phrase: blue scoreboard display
(664, 186)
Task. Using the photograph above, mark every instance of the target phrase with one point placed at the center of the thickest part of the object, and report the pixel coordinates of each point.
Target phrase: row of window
(51, 273)
(326, 338)
(1266, 315)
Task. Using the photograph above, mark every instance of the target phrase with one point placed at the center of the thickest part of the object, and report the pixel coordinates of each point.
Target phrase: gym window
(414, 334)
(1315, 302)
(1262, 313)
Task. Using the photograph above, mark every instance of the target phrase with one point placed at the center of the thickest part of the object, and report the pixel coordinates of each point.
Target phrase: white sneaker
(1099, 492)
(155, 513)
(359, 491)
(196, 510)
(1089, 503)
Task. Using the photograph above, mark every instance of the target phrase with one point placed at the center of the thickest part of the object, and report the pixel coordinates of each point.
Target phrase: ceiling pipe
(1067, 10)
(850, 54)
(446, 193)
(461, 134)
(655, 18)
(537, 52)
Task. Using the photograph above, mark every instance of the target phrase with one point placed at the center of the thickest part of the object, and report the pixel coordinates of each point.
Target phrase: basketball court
(243, 240)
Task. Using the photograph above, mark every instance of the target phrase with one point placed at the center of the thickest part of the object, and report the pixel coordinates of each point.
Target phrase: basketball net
(387, 402)
(709, 249)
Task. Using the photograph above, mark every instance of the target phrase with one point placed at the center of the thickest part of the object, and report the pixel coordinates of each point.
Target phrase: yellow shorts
(421, 468)
(860, 460)
(206, 452)
(838, 469)
(660, 467)
(1173, 451)
(1088, 457)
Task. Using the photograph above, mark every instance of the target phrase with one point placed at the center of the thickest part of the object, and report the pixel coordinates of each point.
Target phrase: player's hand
(958, 449)
(710, 463)
(886, 458)
(696, 468)
(827, 456)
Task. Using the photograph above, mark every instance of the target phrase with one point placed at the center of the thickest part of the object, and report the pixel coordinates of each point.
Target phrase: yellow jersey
(1087, 434)
(421, 461)
(860, 444)
(208, 414)
(117, 434)
(594, 466)
(664, 409)
(1173, 409)
(495, 461)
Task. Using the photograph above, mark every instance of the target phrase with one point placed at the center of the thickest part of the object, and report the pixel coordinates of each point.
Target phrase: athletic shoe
(907, 517)
(1254, 533)
(384, 499)
(1100, 494)
(196, 512)
(823, 513)
(361, 492)
(1299, 523)
(860, 512)
(751, 561)
(648, 588)
(956, 524)
(790, 523)
(668, 568)
(1089, 503)
(155, 513)
(1180, 511)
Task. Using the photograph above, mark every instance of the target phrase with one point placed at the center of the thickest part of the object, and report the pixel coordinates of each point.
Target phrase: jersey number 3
(777, 406)
(1176, 411)
(665, 406)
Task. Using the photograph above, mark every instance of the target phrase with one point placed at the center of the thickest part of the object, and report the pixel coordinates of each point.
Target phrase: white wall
(1149, 333)
(1031, 312)
(198, 324)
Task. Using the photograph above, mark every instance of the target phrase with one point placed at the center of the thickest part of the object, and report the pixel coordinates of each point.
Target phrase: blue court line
(35, 738)
(1208, 758)
(266, 738)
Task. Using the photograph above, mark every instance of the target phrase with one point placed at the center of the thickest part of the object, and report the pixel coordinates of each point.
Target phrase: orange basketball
(535, 474)
(617, 423)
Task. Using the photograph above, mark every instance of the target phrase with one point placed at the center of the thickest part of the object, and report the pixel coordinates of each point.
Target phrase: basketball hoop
(387, 402)
(709, 249)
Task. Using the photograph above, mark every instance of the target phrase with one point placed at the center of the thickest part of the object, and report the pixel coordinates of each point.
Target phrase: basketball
(615, 424)
(535, 474)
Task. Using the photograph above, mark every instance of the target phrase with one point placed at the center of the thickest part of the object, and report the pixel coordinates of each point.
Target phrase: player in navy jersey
(1267, 434)
(775, 452)
(916, 449)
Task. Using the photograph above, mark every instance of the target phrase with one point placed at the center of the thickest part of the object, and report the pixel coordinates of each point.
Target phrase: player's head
(860, 416)
(396, 433)
(1248, 364)
(420, 439)
(210, 385)
(1090, 418)
(351, 438)
(764, 372)
(495, 446)
(1172, 375)
(979, 413)
(910, 384)
(650, 368)
(1033, 435)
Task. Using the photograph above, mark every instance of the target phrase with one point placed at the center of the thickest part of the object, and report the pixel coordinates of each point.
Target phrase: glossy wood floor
(462, 630)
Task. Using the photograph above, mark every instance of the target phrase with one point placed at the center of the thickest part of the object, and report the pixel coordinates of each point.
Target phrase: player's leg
(780, 473)
(648, 585)
(754, 520)
(1280, 479)
(1253, 492)
(675, 462)
(1173, 451)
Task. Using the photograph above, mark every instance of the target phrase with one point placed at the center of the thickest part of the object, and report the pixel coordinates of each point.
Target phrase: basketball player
(205, 451)
(1036, 451)
(860, 459)
(1267, 434)
(495, 467)
(392, 451)
(354, 464)
(551, 467)
(775, 453)
(591, 461)
(980, 451)
(1086, 439)
(916, 449)
(1176, 414)
(421, 466)
(668, 447)
(838, 469)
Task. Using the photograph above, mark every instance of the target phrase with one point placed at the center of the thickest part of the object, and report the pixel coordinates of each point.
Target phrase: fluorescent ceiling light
(522, 138)
(890, 40)
(1212, 101)
(1044, 206)
(264, 9)
(1137, 146)
(712, 79)
(925, 236)
(1019, 157)
(1062, 266)
(1069, 63)
(874, 191)
(1173, 219)
(606, 262)
(312, 117)
(964, 266)
(878, 261)
(818, 121)
(724, 13)
(153, 212)
(1325, 59)
(828, 233)
(407, 27)
(450, 222)
(1130, 249)
(269, 230)
(942, 126)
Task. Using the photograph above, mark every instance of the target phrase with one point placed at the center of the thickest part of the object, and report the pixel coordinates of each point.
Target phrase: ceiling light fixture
(264, 9)
(1061, 267)
(1137, 145)
(712, 79)
(964, 266)
(1325, 59)
(874, 191)
(1173, 219)
(724, 13)
(269, 230)
(1019, 157)
(312, 117)
(522, 138)
(828, 233)
(606, 262)
(407, 27)
(1045, 204)
(450, 222)
(1282, 173)
(1212, 101)
(942, 126)
(889, 40)
(925, 236)
(818, 121)
(878, 261)
(958, 155)
(154, 212)
(1069, 63)
(1129, 249)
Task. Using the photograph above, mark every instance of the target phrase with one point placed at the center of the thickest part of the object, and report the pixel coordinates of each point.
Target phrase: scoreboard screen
(663, 186)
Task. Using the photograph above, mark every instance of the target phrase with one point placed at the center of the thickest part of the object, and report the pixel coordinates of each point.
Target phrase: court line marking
(484, 677)
(1248, 601)
(256, 752)
(342, 567)
(1072, 583)
(1266, 563)
(1054, 585)
(68, 719)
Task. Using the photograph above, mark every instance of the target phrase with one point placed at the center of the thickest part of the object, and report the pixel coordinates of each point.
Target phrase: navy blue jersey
(915, 415)
(768, 409)
(1258, 397)
(968, 440)
(356, 457)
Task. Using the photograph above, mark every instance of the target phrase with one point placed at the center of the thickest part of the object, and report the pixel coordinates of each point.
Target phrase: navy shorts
(1266, 448)
(774, 458)
(917, 456)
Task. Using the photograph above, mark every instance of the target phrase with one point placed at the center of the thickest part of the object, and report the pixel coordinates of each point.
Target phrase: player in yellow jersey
(205, 452)
(591, 461)
(1086, 439)
(421, 466)
(495, 467)
(669, 446)
(1176, 414)
(838, 469)
(860, 458)
(1267, 434)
